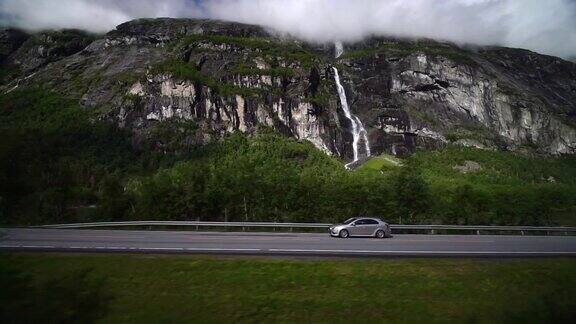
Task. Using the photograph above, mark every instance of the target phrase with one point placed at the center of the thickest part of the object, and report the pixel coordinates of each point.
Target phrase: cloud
(34, 14)
(546, 26)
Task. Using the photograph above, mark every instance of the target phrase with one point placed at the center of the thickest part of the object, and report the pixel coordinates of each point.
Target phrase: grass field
(379, 163)
(171, 289)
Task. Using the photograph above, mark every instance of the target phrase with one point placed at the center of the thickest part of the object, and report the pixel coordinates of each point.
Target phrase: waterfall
(339, 49)
(358, 131)
(348, 114)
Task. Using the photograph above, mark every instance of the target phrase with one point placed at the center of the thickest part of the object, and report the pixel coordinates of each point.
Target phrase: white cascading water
(358, 130)
(339, 49)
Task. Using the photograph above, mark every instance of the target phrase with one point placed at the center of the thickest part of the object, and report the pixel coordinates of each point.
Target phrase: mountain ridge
(229, 77)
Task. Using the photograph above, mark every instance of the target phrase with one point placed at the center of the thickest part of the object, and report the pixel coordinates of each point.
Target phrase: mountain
(172, 119)
(228, 77)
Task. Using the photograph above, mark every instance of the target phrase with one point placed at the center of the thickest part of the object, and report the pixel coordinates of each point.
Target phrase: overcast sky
(546, 26)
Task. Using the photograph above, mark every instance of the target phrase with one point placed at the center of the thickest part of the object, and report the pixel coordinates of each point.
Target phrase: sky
(545, 26)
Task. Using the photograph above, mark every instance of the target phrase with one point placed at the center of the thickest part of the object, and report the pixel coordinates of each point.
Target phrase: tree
(112, 200)
(411, 194)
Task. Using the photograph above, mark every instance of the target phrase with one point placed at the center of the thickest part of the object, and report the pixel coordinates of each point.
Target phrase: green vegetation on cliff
(404, 49)
(7, 74)
(187, 71)
(270, 48)
(183, 71)
(242, 69)
(57, 165)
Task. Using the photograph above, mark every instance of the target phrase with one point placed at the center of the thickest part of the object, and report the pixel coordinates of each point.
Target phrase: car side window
(360, 222)
(370, 222)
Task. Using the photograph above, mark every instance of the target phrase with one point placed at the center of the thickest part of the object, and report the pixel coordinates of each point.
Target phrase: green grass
(181, 289)
(381, 163)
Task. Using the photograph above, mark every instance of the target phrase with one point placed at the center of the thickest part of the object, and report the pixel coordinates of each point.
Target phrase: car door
(362, 227)
(357, 228)
(369, 227)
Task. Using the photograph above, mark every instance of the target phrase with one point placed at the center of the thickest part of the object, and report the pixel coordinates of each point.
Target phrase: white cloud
(547, 26)
(34, 14)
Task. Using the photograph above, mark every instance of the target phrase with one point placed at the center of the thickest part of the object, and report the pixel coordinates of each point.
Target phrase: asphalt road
(284, 243)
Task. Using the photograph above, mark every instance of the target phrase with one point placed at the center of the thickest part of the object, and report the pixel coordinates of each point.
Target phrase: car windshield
(349, 221)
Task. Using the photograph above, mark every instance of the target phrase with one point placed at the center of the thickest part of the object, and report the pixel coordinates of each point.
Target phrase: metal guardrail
(190, 223)
(430, 228)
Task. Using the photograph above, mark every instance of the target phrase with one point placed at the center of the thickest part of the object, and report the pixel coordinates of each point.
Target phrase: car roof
(353, 219)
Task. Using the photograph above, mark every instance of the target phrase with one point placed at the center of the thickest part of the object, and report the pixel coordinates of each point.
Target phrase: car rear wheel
(344, 234)
(380, 234)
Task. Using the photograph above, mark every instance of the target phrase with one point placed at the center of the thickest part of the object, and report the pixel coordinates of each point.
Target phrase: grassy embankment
(152, 289)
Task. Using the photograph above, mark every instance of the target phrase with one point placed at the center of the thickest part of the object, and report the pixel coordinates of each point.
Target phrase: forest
(60, 164)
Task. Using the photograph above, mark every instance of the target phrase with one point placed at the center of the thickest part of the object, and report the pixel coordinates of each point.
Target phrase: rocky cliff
(225, 77)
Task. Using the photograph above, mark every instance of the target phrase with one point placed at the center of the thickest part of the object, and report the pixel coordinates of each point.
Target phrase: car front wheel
(344, 234)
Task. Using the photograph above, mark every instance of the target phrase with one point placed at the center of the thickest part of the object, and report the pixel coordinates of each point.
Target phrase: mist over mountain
(547, 27)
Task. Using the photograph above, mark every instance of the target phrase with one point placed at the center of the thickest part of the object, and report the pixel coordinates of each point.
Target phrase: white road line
(162, 249)
(416, 252)
(292, 250)
(125, 248)
(439, 241)
(219, 249)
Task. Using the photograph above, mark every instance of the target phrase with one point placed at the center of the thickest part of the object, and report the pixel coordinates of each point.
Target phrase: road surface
(284, 243)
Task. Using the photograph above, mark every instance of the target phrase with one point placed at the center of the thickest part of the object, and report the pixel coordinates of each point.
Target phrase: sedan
(361, 227)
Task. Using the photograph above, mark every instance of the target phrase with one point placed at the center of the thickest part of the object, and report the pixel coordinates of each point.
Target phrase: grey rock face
(35, 51)
(227, 77)
(493, 99)
(164, 97)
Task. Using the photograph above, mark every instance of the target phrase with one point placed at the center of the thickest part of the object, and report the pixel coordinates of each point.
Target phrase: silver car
(361, 226)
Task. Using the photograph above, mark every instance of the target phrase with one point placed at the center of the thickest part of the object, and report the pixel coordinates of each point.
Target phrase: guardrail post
(522, 232)
(477, 232)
